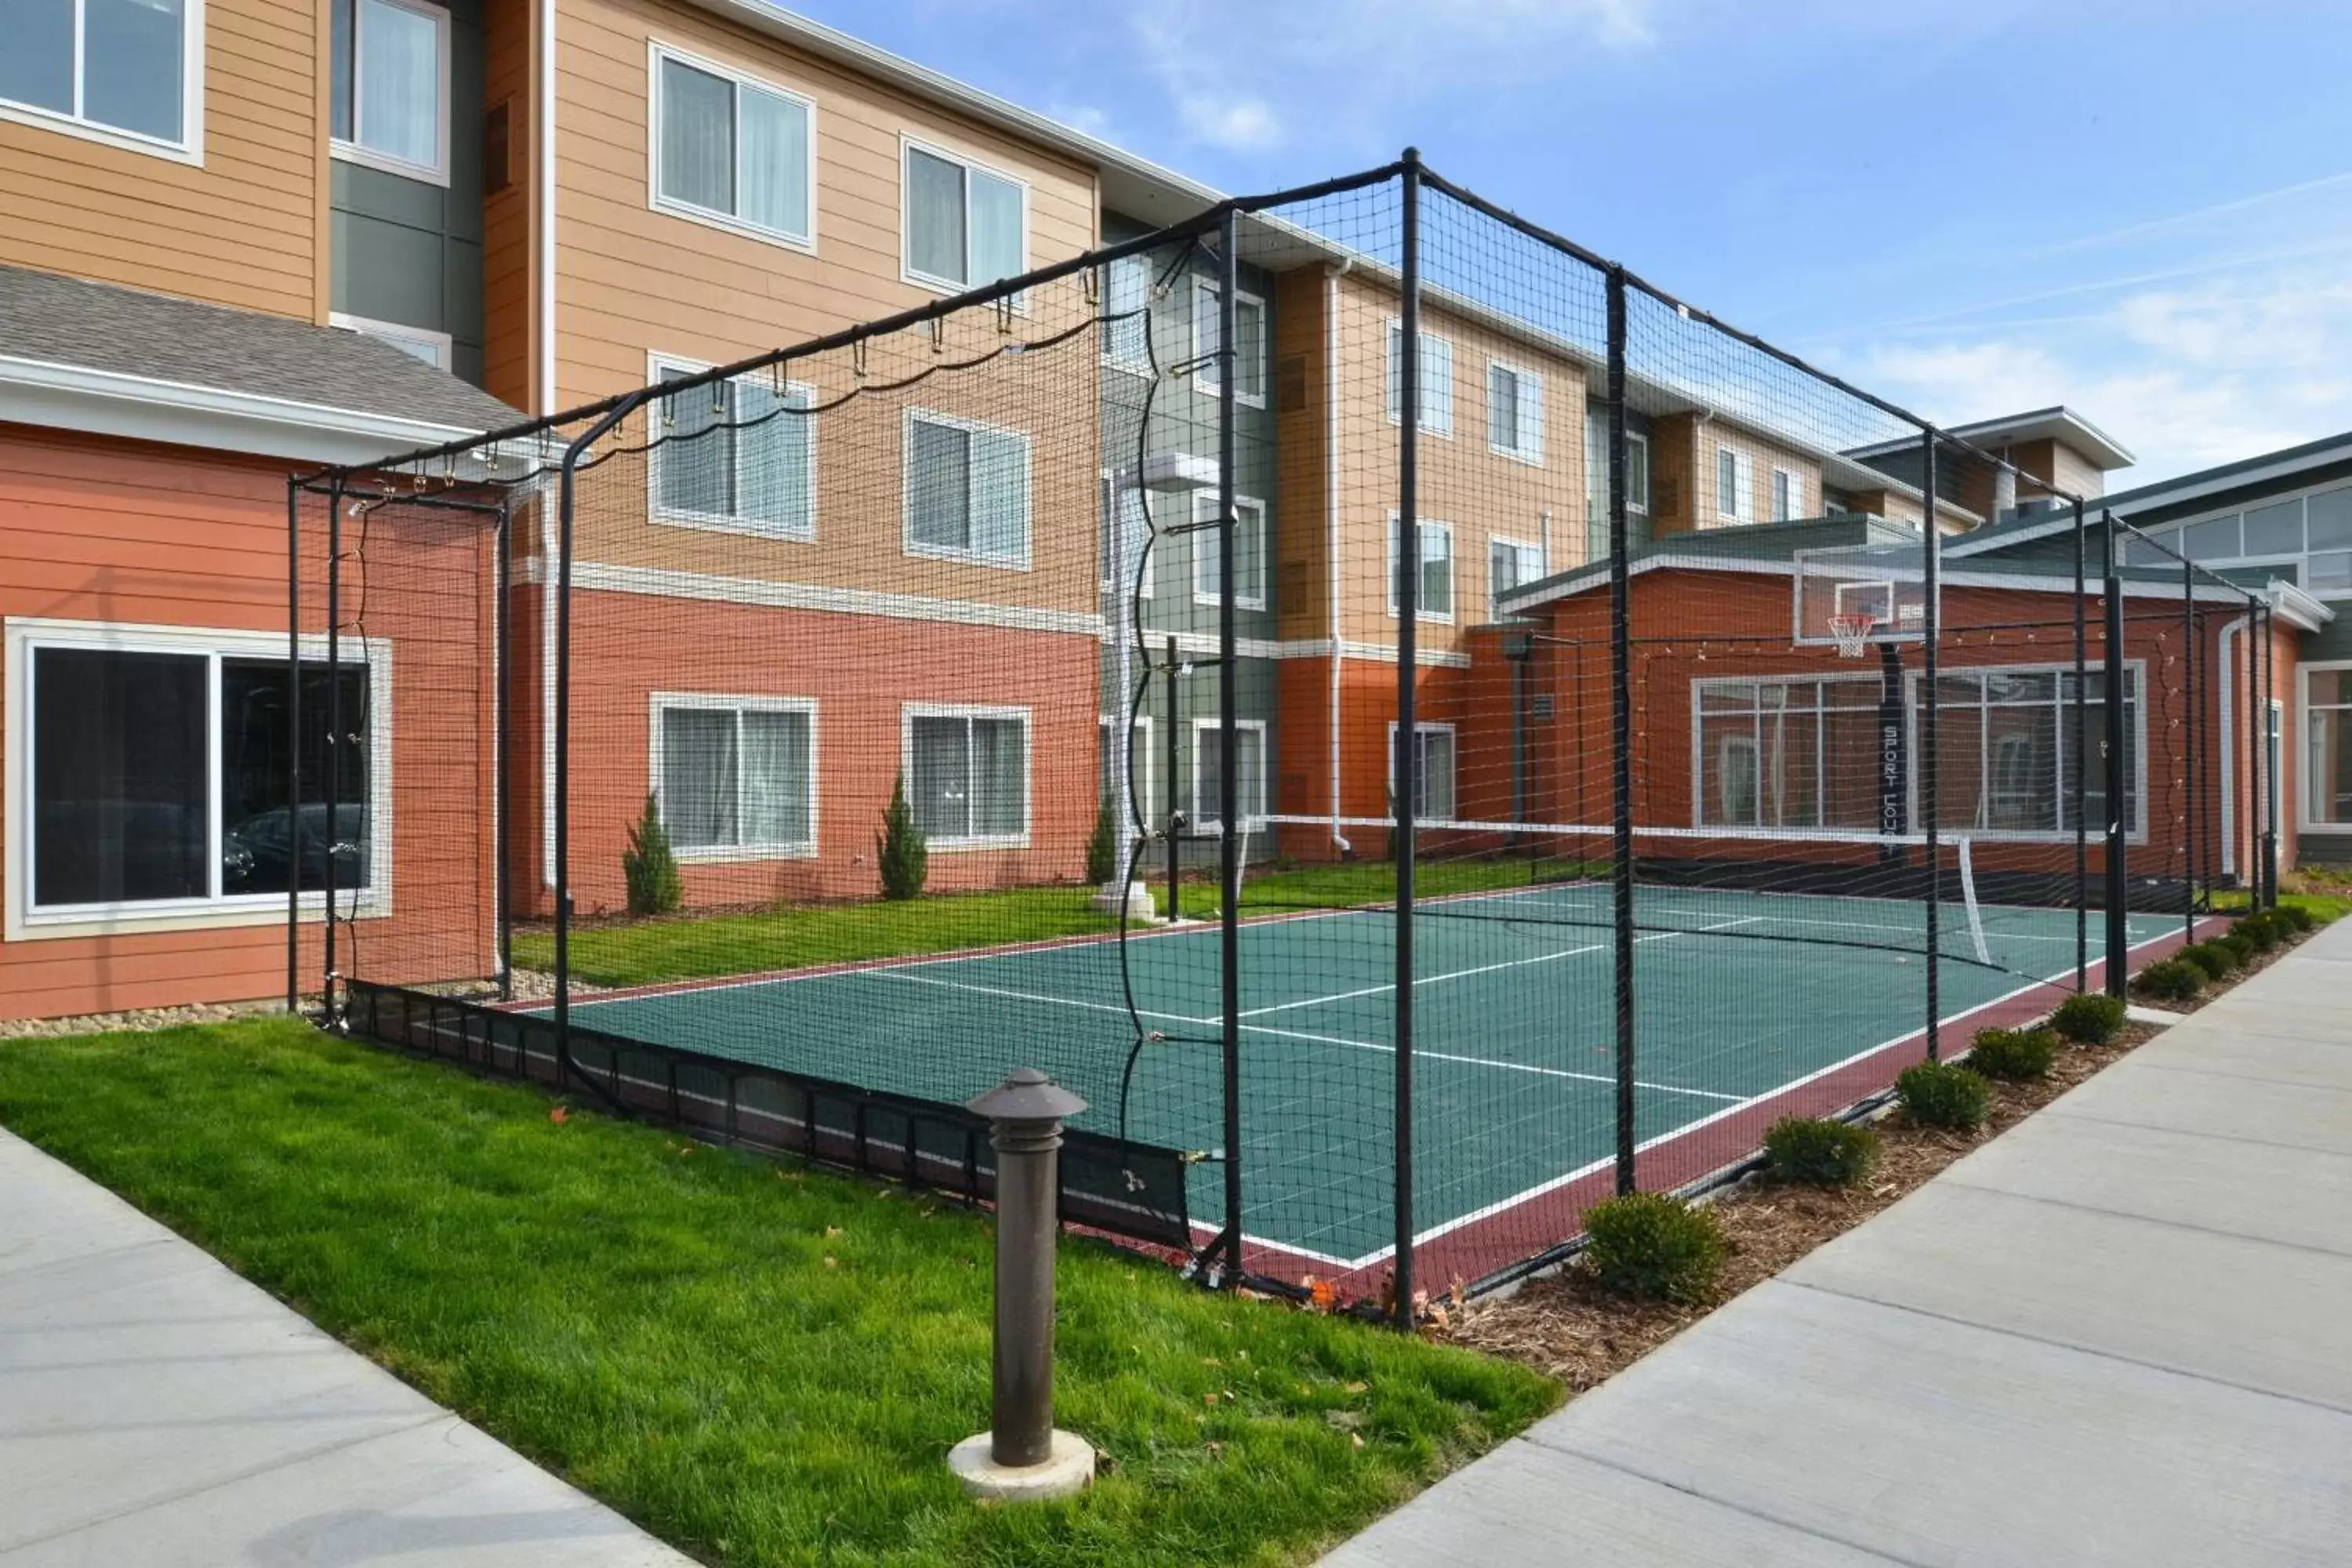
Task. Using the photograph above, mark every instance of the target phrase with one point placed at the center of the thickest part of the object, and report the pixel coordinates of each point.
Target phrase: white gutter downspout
(547, 405)
(1331, 518)
(2230, 684)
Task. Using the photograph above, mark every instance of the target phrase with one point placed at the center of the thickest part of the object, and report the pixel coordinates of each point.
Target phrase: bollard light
(1022, 1456)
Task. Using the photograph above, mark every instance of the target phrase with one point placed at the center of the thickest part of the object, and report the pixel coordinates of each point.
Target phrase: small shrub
(2257, 929)
(2212, 959)
(2093, 1018)
(649, 869)
(2169, 980)
(2020, 1056)
(1937, 1094)
(1819, 1152)
(1655, 1247)
(2297, 917)
(2236, 946)
(900, 850)
(1102, 848)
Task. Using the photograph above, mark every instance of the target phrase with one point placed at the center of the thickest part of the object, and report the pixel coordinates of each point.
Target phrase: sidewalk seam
(2189, 1226)
(2054, 1110)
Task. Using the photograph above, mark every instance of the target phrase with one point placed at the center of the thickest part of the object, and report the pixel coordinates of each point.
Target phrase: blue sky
(2140, 209)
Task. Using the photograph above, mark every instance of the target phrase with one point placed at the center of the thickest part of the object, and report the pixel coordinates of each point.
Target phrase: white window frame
(1700, 684)
(964, 161)
(1741, 502)
(1251, 821)
(910, 711)
(1637, 467)
(188, 147)
(2135, 831)
(1391, 343)
(443, 345)
(1525, 379)
(1543, 565)
(718, 702)
(2176, 534)
(26, 634)
(1110, 497)
(716, 523)
(1140, 364)
(436, 172)
(1453, 785)
(1206, 375)
(906, 493)
(1787, 494)
(1246, 507)
(1453, 576)
(656, 52)
(2304, 819)
(1140, 763)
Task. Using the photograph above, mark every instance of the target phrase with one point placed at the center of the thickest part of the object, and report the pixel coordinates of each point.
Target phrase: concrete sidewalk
(2121, 1332)
(157, 1411)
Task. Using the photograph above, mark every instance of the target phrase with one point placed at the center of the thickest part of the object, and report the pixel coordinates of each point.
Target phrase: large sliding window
(735, 776)
(2008, 745)
(2327, 778)
(967, 490)
(735, 456)
(153, 777)
(732, 149)
(390, 99)
(966, 224)
(1788, 753)
(968, 775)
(126, 71)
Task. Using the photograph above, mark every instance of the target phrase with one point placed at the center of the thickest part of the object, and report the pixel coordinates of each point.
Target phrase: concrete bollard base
(1069, 1467)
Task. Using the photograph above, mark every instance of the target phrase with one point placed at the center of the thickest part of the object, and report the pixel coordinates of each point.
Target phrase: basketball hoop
(1853, 632)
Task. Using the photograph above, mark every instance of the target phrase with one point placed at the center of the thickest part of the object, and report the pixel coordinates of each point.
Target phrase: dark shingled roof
(129, 331)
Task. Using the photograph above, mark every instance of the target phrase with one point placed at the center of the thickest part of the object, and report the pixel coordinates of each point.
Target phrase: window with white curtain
(1734, 485)
(1249, 342)
(1510, 564)
(1209, 777)
(1127, 313)
(966, 224)
(1436, 386)
(1208, 552)
(1515, 412)
(967, 490)
(1432, 771)
(732, 149)
(1436, 602)
(109, 66)
(735, 777)
(968, 774)
(735, 454)
(389, 97)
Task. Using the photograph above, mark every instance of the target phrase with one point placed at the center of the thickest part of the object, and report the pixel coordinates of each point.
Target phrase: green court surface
(1737, 995)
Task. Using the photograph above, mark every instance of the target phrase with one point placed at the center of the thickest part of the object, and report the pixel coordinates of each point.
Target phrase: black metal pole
(294, 746)
(334, 738)
(1407, 655)
(1172, 713)
(503, 840)
(1620, 733)
(2118, 932)
(2270, 764)
(1229, 837)
(2080, 798)
(2253, 744)
(1930, 752)
(2188, 778)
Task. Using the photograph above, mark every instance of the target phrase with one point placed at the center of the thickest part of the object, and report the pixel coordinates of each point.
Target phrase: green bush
(2169, 980)
(2297, 917)
(2212, 959)
(2020, 1056)
(649, 869)
(1655, 1247)
(1819, 1152)
(1937, 1094)
(2258, 928)
(2236, 946)
(1102, 848)
(900, 850)
(2093, 1018)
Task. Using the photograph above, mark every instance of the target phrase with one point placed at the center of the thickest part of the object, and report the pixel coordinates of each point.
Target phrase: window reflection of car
(255, 853)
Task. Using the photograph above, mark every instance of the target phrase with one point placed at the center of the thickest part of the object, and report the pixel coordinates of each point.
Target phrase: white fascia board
(107, 403)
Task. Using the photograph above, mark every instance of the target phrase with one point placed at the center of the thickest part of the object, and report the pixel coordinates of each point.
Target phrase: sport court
(1739, 993)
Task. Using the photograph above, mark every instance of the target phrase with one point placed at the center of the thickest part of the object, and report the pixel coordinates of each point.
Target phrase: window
(1515, 412)
(389, 102)
(1127, 314)
(968, 775)
(735, 454)
(1432, 771)
(1249, 343)
(1788, 496)
(732, 150)
(1436, 372)
(1637, 473)
(1795, 754)
(1509, 564)
(124, 71)
(418, 342)
(966, 225)
(2008, 751)
(1437, 585)
(1734, 485)
(1131, 506)
(1209, 555)
(1208, 776)
(154, 776)
(2328, 773)
(735, 776)
(1140, 760)
(967, 490)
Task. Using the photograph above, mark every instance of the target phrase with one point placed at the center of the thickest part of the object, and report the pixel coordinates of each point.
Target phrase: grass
(761, 1364)
(689, 947)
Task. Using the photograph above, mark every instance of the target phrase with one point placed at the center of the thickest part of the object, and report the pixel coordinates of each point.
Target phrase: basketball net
(1853, 632)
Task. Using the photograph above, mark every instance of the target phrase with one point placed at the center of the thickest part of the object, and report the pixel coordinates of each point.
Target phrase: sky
(2140, 208)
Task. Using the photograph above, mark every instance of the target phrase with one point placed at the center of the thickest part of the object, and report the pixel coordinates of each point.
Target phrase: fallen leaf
(559, 1115)
(833, 1263)
(1355, 1439)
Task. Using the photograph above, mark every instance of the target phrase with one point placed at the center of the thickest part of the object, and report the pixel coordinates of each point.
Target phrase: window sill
(190, 152)
(713, 522)
(946, 289)
(385, 163)
(742, 853)
(1213, 601)
(968, 557)
(133, 920)
(957, 846)
(1528, 460)
(726, 224)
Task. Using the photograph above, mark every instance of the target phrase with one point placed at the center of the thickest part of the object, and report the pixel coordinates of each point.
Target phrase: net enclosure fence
(1423, 730)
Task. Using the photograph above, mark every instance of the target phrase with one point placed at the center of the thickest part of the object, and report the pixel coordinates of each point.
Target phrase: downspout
(2228, 684)
(1331, 519)
(547, 405)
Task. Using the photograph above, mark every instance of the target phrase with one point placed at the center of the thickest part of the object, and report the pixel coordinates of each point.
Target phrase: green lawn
(760, 1363)
(2324, 907)
(689, 947)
